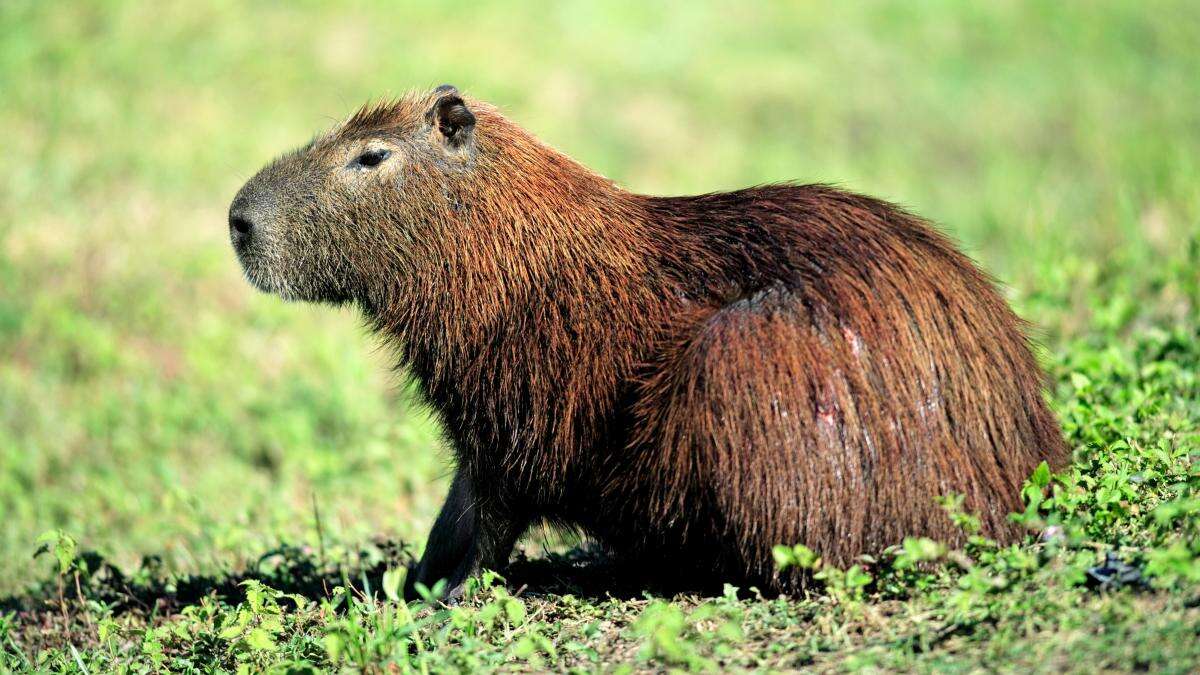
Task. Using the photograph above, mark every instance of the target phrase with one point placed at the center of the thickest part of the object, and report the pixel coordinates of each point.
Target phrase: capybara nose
(240, 223)
(241, 216)
(240, 228)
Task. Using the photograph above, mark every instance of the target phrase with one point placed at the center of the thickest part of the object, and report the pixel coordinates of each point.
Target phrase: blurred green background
(152, 403)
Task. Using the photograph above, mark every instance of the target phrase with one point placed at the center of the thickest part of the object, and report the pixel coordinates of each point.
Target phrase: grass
(178, 438)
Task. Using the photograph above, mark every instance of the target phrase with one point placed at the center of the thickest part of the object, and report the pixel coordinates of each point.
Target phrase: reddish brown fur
(690, 380)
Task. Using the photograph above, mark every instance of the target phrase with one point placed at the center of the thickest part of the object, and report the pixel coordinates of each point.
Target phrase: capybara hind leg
(786, 423)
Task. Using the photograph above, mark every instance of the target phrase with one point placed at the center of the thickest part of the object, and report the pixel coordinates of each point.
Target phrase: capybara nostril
(240, 224)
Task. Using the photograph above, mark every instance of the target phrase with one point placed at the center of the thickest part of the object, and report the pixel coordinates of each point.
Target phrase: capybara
(687, 381)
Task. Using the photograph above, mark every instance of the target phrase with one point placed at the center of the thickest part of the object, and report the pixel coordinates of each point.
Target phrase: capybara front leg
(467, 537)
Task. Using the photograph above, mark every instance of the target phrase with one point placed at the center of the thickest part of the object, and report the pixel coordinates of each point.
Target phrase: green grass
(159, 412)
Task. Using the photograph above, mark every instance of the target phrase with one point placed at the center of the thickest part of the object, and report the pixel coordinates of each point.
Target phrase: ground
(216, 479)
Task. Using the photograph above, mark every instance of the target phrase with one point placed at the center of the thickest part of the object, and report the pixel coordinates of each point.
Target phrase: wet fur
(688, 380)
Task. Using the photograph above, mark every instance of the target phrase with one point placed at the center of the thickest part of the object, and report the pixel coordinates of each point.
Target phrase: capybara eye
(372, 158)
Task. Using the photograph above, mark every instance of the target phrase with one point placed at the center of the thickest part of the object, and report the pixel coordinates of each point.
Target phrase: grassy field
(220, 480)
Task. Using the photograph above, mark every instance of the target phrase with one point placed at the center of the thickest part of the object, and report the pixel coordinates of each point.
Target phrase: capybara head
(326, 221)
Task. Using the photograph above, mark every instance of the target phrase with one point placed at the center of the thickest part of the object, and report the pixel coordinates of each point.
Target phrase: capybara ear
(450, 116)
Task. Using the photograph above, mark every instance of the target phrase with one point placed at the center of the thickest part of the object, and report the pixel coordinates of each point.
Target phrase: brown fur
(689, 380)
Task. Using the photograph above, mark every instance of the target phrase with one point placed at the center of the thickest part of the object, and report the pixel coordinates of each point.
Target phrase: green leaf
(856, 577)
(61, 545)
(1041, 475)
(393, 580)
(805, 557)
(524, 648)
(335, 646)
(108, 629)
(260, 640)
(514, 610)
(783, 556)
